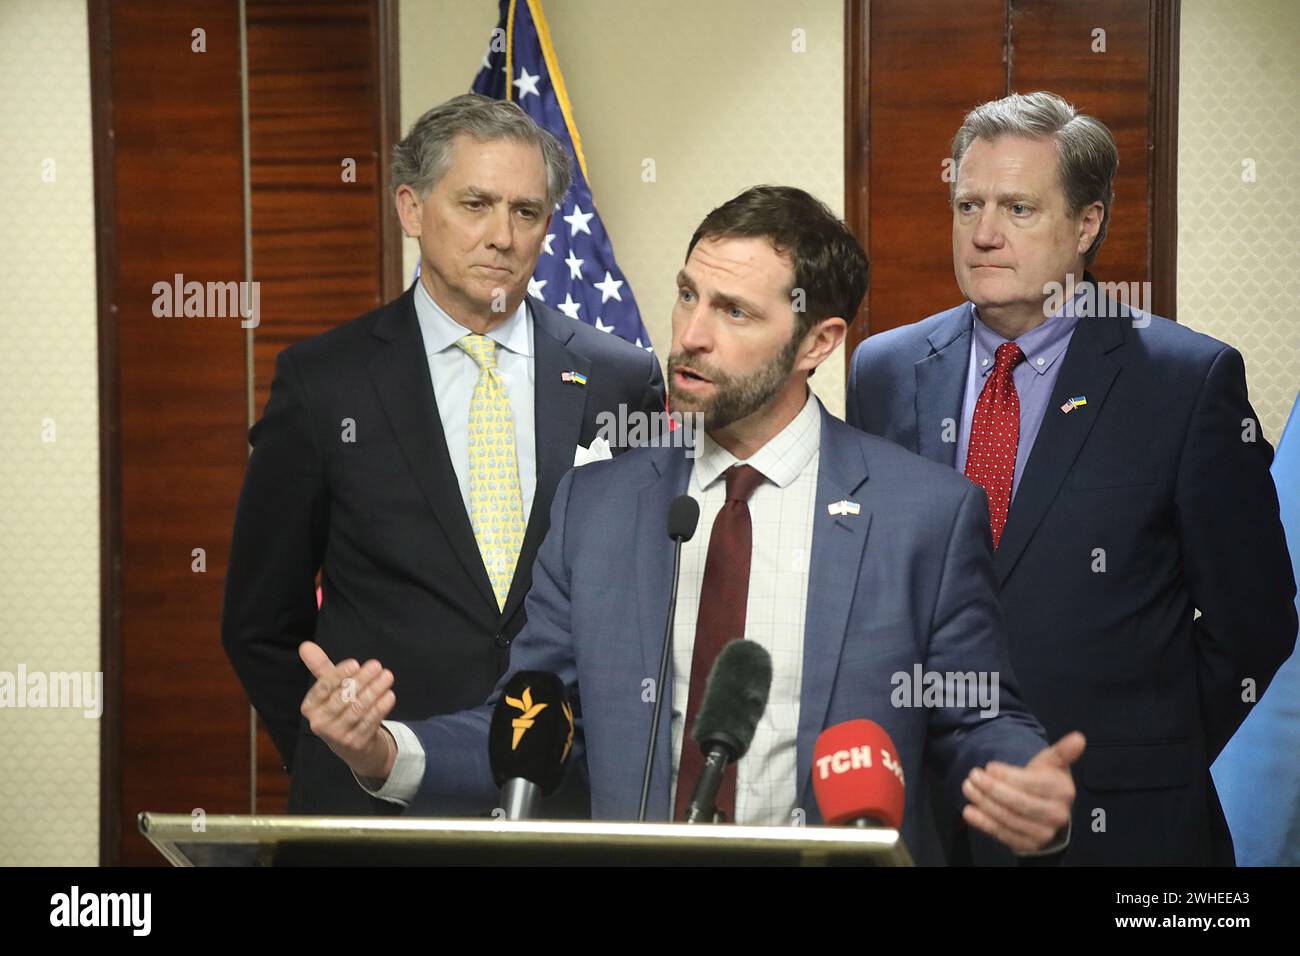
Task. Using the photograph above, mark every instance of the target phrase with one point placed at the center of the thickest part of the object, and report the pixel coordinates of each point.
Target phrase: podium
(428, 841)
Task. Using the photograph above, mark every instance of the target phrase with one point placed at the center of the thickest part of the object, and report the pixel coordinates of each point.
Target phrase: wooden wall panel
(316, 79)
(1052, 44)
(930, 62)
(171, 119)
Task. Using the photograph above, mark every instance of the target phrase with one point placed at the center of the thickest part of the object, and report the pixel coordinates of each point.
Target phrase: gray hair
(1088, 157)
(422, 158)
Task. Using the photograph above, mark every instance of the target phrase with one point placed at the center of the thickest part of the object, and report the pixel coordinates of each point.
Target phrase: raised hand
(345, 707)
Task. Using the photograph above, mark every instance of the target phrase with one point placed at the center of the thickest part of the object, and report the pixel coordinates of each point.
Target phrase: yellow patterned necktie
(496, 506)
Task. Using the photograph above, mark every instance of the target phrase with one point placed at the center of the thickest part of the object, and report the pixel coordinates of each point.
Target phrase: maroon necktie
(721, 620)
(995, 434)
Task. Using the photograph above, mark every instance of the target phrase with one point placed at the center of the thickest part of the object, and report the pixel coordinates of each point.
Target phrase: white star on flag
(575, 266)
(546, 244)
(577, 221)
(570, 308)
(601, 326)
(535, 288)
(526, 83)
(648, 348)
(609, 288)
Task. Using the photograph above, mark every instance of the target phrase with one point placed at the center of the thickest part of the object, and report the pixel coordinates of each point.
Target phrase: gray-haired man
(411, 454)
(1147, 495)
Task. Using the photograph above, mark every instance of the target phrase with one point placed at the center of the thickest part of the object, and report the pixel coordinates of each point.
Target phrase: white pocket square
(599, 451)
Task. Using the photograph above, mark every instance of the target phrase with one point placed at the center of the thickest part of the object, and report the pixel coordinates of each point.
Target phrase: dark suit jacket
(383, 519)
(1155, 473)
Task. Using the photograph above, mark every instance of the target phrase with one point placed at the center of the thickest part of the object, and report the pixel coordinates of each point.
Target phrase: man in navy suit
(855, 563)
(1127, 479)
(363, 464)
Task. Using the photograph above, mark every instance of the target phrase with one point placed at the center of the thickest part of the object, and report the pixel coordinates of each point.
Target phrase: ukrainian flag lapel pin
(1077, 402)
(577, 378)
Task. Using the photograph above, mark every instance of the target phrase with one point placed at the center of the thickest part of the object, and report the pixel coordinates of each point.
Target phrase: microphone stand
(659, 685)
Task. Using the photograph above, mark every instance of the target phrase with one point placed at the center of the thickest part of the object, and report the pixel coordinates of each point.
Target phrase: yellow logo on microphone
(568, 713)
(529, 710)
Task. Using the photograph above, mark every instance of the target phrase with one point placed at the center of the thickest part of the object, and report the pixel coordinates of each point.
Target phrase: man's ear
(819, 342)
(1090, 225)
(408, 210)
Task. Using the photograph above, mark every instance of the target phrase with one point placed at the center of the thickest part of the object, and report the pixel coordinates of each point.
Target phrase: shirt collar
(1042, 345)
(441, 332)
(780, 461)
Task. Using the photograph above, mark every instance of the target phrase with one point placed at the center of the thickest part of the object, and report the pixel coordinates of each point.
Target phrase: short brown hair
(829, 264)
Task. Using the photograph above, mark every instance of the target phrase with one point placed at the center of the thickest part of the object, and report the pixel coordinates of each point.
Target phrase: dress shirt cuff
(408, 767)
(1059, 843)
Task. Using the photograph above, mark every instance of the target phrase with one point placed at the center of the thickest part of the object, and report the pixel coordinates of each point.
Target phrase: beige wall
(1239, 242)
(713, 92)
(49, 490)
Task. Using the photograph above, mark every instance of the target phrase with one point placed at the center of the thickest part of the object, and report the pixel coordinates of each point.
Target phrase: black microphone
(683, 516)
(529, 740)
(734, 700)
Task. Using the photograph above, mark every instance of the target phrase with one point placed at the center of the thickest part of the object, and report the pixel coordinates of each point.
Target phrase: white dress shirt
(455, 374)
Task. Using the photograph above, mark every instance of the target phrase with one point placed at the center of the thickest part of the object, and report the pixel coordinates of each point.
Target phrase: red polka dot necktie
(724, 594)
(995, 434)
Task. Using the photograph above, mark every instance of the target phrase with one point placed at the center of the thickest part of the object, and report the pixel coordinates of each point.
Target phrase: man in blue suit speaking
(856, 564)
(1127, 478)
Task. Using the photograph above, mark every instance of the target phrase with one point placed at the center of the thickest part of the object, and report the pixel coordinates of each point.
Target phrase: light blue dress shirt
(455, 375)
(1034, 378)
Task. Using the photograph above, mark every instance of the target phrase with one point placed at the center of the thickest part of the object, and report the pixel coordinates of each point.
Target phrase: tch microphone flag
(1258, 774)
(576, 272)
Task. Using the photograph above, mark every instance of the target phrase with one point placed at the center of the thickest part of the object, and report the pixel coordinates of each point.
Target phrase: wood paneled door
(232, 143)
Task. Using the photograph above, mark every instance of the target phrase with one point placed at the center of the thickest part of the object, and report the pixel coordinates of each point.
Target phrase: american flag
(576, 272)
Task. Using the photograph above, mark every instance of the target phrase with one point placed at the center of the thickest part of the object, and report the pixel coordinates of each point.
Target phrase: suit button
(502, 641)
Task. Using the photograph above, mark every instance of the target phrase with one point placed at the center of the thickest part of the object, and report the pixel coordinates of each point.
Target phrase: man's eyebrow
(969, 195)
(719, 298)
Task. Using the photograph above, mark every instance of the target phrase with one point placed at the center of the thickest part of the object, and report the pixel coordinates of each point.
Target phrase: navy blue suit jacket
(383, 519)
(1160, 476)
(909, 580)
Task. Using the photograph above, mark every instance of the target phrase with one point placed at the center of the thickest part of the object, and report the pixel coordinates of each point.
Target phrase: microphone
(735, 697)
(683, 516)
(857, 776)
(529, 740)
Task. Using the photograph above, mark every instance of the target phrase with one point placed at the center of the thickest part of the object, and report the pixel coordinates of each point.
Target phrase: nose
(500, 230)
(987, 234)
(695, 335)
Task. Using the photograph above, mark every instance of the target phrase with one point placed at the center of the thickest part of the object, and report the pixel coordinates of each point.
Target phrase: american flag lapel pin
(577, 378)
(844, 508)
(1072, 403)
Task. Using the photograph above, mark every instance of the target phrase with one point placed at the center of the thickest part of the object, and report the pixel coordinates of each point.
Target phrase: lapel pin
(577, 378)
(844, 508)
(1071, 404)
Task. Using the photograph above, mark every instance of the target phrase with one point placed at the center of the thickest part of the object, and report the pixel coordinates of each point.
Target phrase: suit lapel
(837, 547)
(941, 386)
(654, 581)
(1087, 369)
(558, 409)
(400, 375)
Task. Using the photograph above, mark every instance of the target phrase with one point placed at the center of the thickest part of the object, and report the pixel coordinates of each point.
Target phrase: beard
(734, 397)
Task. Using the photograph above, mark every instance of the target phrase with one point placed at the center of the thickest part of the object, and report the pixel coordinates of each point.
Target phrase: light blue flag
(1258, 772)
